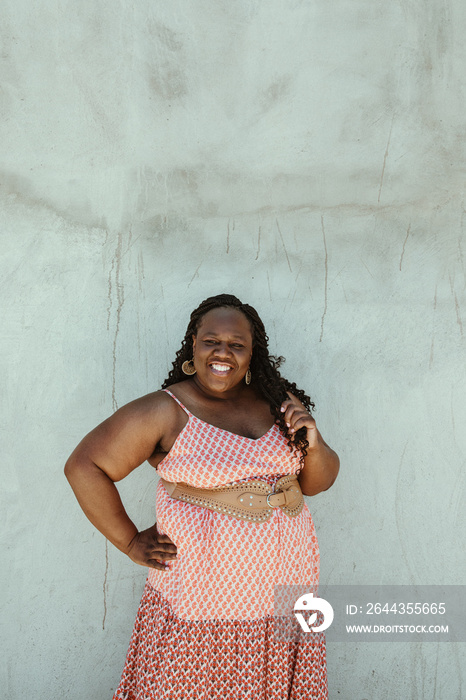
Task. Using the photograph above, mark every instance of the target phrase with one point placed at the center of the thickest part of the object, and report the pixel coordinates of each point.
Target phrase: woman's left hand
(296, 416)
(321, 463)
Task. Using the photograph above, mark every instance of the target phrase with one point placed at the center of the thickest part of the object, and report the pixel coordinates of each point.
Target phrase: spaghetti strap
(178, 401)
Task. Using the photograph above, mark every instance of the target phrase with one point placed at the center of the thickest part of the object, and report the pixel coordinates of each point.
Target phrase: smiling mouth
(220, 369)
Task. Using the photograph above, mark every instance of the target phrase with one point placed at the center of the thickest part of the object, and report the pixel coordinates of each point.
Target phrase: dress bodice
(206, 456)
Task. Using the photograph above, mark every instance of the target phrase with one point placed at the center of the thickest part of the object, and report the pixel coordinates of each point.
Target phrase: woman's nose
(223, 350)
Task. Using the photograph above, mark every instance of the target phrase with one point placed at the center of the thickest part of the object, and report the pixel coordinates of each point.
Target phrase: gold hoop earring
(188, 367)
(247, 376)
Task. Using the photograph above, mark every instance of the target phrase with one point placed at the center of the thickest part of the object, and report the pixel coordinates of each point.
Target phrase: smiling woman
(223, 348)
(236, 448)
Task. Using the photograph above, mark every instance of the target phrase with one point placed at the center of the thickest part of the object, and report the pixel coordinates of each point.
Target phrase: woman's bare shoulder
(152, 412)
(127, 438)
(185, 391)
(157, 402)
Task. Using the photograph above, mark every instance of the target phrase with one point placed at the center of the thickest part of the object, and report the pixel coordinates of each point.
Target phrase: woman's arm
(321, 464)
(109, 453)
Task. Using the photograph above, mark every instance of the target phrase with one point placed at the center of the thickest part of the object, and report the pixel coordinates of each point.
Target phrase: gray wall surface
(308, 157)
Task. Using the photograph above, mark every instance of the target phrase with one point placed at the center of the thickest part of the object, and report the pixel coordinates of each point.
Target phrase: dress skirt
(174, 659)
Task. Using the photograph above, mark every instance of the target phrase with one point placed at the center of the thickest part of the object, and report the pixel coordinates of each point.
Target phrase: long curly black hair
(264, 367)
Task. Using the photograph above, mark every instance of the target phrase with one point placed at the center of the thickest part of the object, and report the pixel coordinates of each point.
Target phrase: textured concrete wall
(308, 157)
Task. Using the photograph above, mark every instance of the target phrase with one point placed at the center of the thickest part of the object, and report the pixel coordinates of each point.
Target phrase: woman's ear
(194, 343)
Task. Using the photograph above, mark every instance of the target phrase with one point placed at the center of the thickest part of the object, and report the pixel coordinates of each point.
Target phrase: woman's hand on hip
(150, 548)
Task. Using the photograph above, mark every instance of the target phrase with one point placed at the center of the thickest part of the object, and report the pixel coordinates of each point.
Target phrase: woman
(225, 428)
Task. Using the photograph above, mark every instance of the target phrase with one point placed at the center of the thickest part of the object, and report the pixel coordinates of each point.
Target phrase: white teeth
(221, 368)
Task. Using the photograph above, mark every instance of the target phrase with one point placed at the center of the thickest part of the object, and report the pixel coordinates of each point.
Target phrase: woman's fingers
(295, 415)
(290, 405)
(162, 547)
(292, 411)
(160, 553)
(165, 542)
(155, 564)
(162, 537)
(151, 548)
(302, 421)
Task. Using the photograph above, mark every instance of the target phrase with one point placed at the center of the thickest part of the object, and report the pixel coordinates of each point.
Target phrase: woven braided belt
(253, 500)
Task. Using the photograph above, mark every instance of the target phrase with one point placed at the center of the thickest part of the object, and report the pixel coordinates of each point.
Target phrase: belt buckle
(272, 493)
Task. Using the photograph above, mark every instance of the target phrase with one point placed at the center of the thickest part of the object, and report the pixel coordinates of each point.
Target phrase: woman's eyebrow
(211, 333)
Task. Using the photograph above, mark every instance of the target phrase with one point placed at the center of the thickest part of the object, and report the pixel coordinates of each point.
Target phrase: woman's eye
(211, 341)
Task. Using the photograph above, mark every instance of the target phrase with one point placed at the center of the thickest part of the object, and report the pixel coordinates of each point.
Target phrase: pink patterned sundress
(204, 628)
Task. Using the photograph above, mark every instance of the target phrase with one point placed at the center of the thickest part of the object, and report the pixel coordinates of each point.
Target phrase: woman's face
(222, 349)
